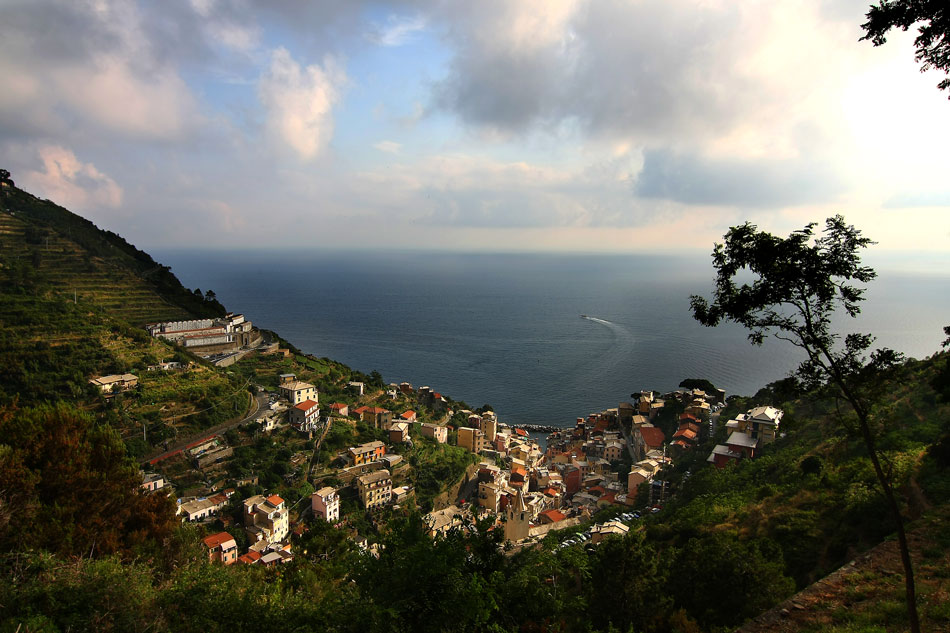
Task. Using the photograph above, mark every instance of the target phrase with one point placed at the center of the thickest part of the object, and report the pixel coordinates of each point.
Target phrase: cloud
(70, 182)
(398, 30)
(390, 147)
(697, 180)
(300, 101)
(82, 67)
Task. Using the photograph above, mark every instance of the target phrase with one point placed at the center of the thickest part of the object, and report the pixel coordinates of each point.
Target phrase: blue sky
(550, 125)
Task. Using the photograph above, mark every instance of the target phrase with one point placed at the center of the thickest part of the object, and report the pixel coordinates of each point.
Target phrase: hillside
(81, 548)
(73, 299)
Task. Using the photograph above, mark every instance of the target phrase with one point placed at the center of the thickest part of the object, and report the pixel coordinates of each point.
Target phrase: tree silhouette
(933, 34)
(790, 289)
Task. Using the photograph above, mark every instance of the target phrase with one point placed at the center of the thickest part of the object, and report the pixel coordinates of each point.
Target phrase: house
(274, 557)
(200, 509)
(221, 547)
(653, 438)
(358, 387)
(380, 418)
(339, 409)
(439, 433)
(267, 422)
(398, 433)
(441, 521)
(305, 416)
(551, 516)
(401, 493)
(472, 439)
(266, 519)
(408, 416)
(375, 489)
(687, 435)
(326, 504)
(366, 453)
(748, 432)
(610, 528)
(250, 558)
(297, 391)
(765, 422)
(152, 482)
(115, 383)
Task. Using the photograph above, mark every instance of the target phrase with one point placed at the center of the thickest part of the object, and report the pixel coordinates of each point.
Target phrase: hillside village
(612, 459)
(282, 490)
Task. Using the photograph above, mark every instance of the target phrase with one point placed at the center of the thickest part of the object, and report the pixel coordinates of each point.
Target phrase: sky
(536, 125)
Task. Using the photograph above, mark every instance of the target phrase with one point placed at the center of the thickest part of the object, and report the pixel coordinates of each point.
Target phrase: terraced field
(66, 269)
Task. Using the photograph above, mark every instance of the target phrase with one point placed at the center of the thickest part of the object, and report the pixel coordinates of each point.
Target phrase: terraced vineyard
(73, 299)
(64, 268)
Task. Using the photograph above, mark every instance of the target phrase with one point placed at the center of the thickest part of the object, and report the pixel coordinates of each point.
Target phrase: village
(609, 460)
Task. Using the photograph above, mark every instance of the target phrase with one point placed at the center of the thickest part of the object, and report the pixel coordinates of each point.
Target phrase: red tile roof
(552, 492)
(360, 410)
(337, 406)
(521, 432)
(374, 410)
(250, 558)
(554, 515)
(653, 436)
(305, 405)
(217, 540)
(687, 433)
(274, 500)
(408, 415)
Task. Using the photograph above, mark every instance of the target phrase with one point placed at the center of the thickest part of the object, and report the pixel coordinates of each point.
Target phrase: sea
(542, 338)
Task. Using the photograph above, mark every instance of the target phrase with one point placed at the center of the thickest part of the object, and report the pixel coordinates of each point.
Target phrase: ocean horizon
(507, 329)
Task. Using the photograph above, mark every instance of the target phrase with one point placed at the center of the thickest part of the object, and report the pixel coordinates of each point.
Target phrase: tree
(791, 288)
(933, 34)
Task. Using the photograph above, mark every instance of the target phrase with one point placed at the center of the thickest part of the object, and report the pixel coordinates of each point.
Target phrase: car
(654, 510)
(636, 515)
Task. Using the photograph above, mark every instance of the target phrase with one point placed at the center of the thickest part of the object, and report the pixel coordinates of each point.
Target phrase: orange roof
(250, 558)
(361, 409)
(217, 540)
(408, 415)
(653, 436)
(521, 432)
(554, 515)
(336, 406)
(306, 404)
(374, 410)
(687, 433)
(518, 470)
(274, 500)
(550, 491)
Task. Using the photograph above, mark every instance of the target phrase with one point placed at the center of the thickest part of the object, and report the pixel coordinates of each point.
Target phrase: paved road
(258, 408)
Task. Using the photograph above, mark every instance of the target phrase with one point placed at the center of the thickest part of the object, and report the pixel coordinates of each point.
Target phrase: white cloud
(398, 30)
(390, 147)
(300, 101)
(69, 182)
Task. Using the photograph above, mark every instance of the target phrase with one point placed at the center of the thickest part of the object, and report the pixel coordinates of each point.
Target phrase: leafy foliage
(71, 487)
(933, 34)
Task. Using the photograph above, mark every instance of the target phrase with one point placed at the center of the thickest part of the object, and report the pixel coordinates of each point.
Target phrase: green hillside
(82, 549)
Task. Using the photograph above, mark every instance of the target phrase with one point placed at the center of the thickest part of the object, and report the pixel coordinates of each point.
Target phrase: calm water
(506, 329)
